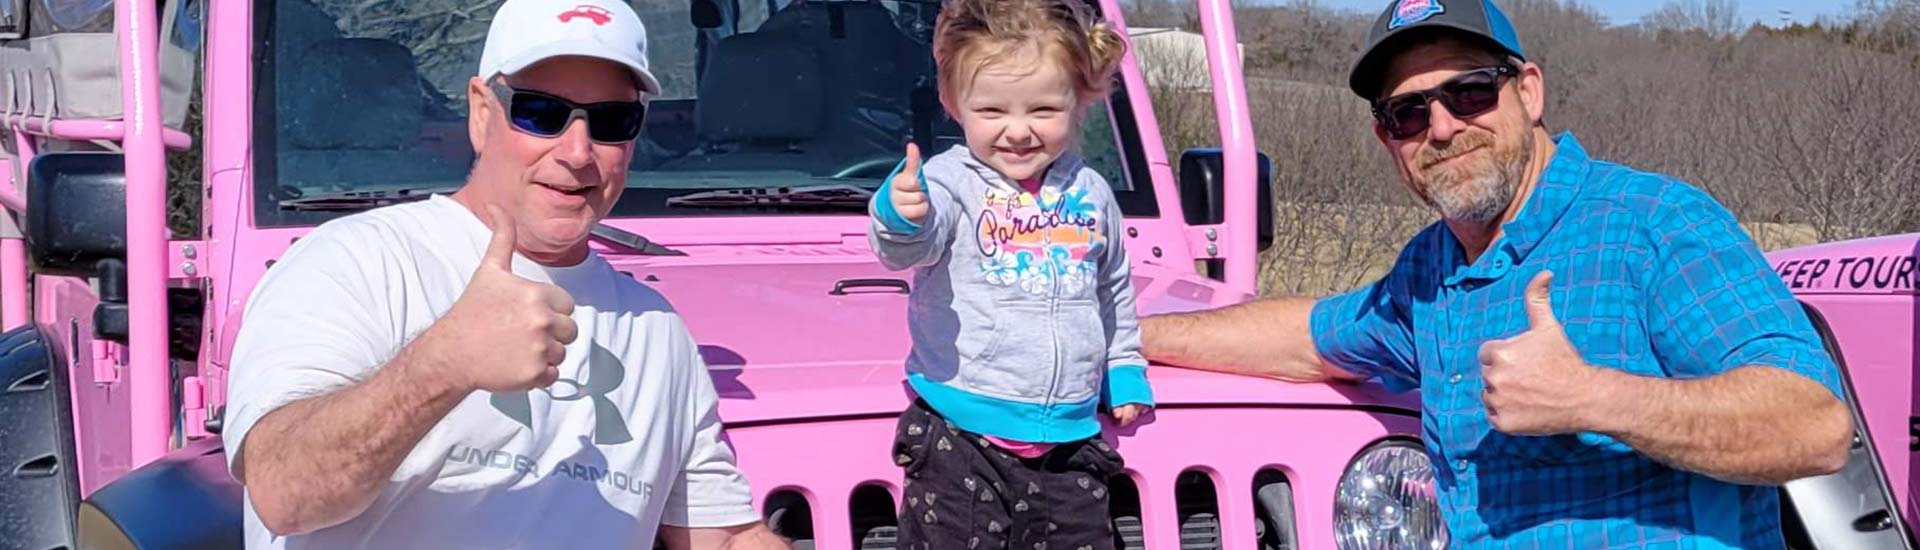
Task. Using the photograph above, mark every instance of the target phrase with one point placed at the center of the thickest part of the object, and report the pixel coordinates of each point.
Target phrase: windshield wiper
(829, 197)
(361, 200)
(632, 242)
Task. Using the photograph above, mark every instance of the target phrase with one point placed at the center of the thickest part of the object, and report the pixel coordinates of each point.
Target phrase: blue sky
(1629, 11)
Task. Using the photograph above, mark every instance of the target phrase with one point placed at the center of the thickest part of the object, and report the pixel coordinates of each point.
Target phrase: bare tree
(1837, 133)
(1176, 72)
(1717, 18)
(1341, 213)
(1806, 136)
(1158, 13)
(1888, 25)
(1302, 40)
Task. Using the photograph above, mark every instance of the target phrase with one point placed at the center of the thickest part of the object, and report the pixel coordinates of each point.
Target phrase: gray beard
(1483, 198)
(1479, 201)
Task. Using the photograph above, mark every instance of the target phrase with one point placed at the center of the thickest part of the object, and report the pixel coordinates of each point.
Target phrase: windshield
(371, 96)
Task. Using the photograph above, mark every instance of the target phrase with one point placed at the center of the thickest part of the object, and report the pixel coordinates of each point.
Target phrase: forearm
(902, 250)
(322, 460)
(1269, 337)
(1756, 425)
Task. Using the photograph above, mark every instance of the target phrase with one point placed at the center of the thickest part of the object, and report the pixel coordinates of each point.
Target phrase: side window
(12, 25)
(68, 16)
(1099, 145)
(1110, 143)
(670, 46)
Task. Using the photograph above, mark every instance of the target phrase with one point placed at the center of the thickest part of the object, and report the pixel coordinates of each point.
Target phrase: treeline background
(1808, 133)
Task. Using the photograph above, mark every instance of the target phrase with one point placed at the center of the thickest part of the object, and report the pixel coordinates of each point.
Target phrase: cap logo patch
(598, 15)
(1409, 12)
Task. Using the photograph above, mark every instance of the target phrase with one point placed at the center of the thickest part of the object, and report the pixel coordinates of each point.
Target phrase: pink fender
(1866, 291)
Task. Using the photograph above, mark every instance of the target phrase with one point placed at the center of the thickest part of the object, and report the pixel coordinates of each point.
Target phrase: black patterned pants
(963, 492)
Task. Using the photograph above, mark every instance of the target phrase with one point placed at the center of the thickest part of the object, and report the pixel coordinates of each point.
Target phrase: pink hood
(783, 347)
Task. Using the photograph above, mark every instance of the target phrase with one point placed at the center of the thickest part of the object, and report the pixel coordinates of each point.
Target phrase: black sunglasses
(545, 115)
(1467, 94)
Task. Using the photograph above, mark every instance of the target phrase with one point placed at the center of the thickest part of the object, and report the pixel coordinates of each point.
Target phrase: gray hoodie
(1022, 311)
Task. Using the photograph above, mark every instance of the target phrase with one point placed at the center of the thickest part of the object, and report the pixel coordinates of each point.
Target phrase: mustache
(1461, 144)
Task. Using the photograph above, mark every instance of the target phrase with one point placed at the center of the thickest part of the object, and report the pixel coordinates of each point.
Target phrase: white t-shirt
(627, 439)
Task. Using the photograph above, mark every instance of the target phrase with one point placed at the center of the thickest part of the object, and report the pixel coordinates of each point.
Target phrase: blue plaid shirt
(1652, 277)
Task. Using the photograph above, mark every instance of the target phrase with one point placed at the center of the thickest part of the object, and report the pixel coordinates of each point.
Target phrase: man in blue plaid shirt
(1604, 358)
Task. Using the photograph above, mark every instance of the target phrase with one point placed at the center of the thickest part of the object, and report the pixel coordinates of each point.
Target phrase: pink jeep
(1864, 298)
(745, 207)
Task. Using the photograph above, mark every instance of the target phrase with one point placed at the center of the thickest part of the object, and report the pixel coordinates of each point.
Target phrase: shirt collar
(1559, 185)
(1546, 205)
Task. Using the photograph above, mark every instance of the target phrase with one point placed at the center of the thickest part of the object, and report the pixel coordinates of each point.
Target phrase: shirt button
(1455, 378)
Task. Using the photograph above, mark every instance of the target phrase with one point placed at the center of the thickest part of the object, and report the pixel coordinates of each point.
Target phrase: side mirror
(76, 211)
(76, 226)
(1203, 192)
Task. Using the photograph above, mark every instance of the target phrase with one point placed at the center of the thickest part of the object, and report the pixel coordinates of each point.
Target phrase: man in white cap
(463, 372)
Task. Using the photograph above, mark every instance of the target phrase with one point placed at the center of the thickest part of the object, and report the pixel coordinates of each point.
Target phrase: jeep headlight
(1386, 501)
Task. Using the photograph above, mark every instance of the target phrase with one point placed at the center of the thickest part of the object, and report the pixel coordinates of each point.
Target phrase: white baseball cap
(525, 32)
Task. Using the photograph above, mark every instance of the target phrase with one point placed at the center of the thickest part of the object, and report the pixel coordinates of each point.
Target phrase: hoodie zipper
(1053, 307)
(1053, 287)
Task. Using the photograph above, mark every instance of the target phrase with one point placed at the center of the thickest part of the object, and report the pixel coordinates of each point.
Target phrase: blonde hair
(972, 34)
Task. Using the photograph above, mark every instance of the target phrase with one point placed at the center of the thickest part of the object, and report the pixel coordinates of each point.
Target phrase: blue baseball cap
(1475, 20)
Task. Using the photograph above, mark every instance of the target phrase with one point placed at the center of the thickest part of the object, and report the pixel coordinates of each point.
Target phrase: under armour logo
(598, 15)
(605, 373)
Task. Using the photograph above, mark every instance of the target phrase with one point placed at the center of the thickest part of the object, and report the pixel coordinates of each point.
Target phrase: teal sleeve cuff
(883, 203)
(1127, 384)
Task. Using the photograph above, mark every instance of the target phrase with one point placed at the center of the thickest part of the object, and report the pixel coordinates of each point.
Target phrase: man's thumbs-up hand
(505, 333)
(1536, 382)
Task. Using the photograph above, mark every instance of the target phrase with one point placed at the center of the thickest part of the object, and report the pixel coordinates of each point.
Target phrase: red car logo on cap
(1414, 11)
(598, 15)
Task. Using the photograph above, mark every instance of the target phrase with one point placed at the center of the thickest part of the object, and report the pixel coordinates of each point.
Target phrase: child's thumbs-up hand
(907, 196)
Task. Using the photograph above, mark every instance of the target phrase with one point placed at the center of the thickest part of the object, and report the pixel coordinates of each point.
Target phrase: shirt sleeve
(901, 244)
(1367, 330)
(1714, 304)
(1126, 379)
(710, 491)
(314, 324)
